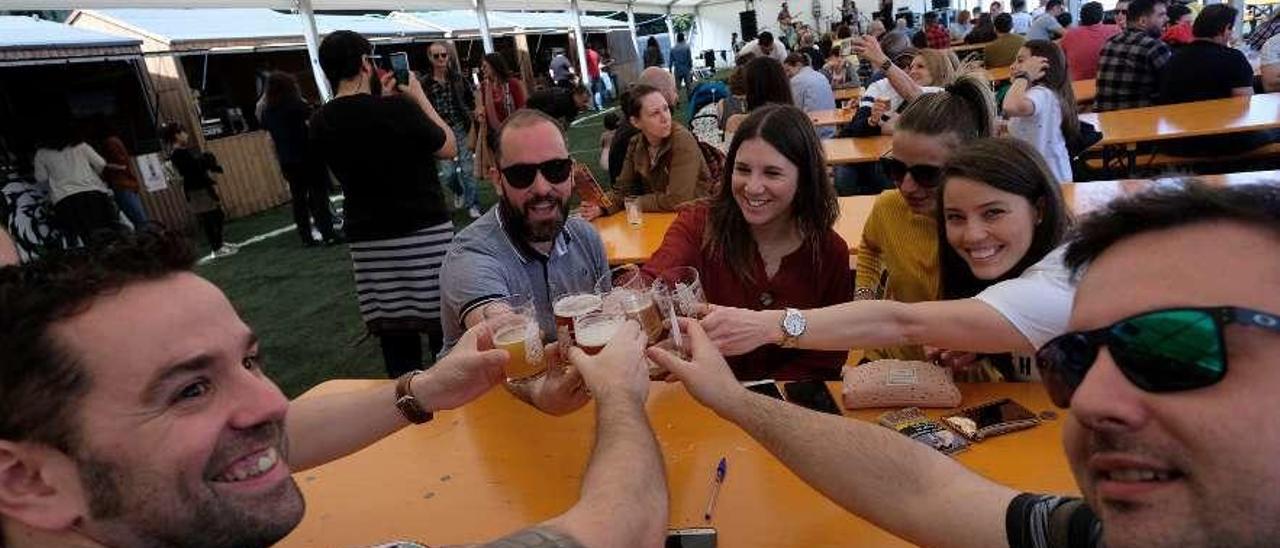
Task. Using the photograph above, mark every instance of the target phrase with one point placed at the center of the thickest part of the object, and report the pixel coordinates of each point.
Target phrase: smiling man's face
(181, 435)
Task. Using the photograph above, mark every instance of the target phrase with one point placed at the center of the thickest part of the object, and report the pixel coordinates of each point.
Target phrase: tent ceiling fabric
(195, 25)
(18, 32)
(644, 6)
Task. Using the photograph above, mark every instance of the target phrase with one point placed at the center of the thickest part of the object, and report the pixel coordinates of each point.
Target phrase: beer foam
(576, 305)
(509, 334)
(598, 333)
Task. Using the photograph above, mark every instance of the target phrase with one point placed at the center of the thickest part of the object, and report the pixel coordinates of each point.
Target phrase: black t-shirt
(382, 151)
(1204, 70)
(1047, 521)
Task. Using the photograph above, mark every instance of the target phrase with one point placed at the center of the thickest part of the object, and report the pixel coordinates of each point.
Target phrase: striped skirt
(398, 279)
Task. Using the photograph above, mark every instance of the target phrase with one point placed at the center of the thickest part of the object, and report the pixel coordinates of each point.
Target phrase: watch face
(793, 323)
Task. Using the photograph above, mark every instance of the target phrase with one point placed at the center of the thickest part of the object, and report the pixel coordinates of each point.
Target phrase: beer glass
(514, 323)
(630, 290)
(567, 308)
(685, 288)
(593, 330)
(635, 217)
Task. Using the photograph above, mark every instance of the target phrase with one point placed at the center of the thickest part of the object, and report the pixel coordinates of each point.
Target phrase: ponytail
(965, 108)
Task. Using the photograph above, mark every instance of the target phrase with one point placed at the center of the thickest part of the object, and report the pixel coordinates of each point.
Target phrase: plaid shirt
(1129, 70)
(441, 95)
(937, 37)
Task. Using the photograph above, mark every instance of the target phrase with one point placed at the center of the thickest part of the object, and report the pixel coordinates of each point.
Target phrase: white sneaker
(226, 250)
(474, 212)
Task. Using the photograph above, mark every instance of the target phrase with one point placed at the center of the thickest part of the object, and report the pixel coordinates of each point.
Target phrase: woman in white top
(1001, 222)
(929, 71)
(1041, 105)
(82, 203)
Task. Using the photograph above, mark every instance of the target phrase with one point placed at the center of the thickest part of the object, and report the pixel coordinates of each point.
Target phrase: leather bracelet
(886, 65)
(407, 403)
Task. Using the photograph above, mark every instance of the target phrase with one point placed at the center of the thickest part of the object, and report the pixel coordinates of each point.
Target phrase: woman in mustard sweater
(898, 257)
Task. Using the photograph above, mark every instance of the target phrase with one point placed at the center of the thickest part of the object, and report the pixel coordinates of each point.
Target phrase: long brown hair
(1058, 80)
(281, 88)
(1013, 166)
(814, 208)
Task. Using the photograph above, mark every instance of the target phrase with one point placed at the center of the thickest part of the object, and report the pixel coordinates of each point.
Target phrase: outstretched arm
(615, 509)
(966, 324)
(898, 484)
(325, 428)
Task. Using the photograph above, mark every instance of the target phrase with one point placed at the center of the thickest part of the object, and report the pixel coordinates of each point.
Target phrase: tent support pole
(631, 22)
(485, 36)
(313, 48)
(576, 20)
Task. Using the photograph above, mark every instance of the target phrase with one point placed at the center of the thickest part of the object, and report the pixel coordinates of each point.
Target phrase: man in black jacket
(452, 96)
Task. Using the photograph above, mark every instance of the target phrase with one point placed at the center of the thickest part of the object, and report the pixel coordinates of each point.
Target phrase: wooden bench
(1159, 160)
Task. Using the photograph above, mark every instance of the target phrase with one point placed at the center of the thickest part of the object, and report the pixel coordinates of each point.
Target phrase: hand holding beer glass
(514, 324)
(685, 288)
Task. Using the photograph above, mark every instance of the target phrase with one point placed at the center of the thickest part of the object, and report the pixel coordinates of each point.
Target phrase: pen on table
(715, 488)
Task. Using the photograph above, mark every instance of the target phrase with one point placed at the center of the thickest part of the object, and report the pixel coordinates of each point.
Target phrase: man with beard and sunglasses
(382, 140)
(526, 245)
(1169, 378)
(135, 411)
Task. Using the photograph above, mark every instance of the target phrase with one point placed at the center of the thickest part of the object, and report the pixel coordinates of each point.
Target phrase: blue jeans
(130, 204)
(458, 173)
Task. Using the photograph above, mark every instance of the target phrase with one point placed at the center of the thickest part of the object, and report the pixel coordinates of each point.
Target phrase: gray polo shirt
(1045, 27)
(483, 264)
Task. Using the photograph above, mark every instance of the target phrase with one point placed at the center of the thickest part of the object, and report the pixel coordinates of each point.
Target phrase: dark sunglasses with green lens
(1160, 351)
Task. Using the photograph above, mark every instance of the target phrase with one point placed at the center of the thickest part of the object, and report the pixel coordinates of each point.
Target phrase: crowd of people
(970, 258)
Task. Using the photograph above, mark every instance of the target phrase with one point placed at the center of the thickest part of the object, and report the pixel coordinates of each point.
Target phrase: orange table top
(856, 150)
(497, 465)
(844, 94)
(1085, 90)
(833, 117)
(1086, 197)
(1200, 118)
(626, 244)
(962, 47)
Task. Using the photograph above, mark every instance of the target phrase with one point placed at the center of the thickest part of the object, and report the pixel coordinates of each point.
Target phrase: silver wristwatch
(793, 326)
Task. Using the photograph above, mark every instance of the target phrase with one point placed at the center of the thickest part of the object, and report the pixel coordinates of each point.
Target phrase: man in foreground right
(1170, 384)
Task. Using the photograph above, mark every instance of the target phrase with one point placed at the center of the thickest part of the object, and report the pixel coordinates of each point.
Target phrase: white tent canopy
(650, 6)
(465, 23)
(24, 41)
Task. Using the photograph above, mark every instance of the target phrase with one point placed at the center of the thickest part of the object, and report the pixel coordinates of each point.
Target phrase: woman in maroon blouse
(766, 242)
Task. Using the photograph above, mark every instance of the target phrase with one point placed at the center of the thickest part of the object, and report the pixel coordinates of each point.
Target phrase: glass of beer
(514, 323)
(685, 288)
(593, 330)
(629, 290)
(567, 309)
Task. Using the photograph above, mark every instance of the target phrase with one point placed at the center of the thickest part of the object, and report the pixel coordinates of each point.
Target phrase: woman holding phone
(765, 242)
(1001, 220)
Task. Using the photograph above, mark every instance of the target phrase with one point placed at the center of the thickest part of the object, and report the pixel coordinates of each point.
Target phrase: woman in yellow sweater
(898, 257)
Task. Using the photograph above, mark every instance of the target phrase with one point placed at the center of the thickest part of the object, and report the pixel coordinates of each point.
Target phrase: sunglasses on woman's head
(924, 175)
(522, 175)
(1166, 350)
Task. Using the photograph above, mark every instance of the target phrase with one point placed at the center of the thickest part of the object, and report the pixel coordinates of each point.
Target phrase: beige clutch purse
(898, 383)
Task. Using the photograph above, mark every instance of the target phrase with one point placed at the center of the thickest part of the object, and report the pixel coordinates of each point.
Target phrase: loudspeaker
(747, 19)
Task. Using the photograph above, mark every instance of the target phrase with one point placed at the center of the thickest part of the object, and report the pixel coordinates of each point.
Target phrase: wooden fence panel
(252, 181)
